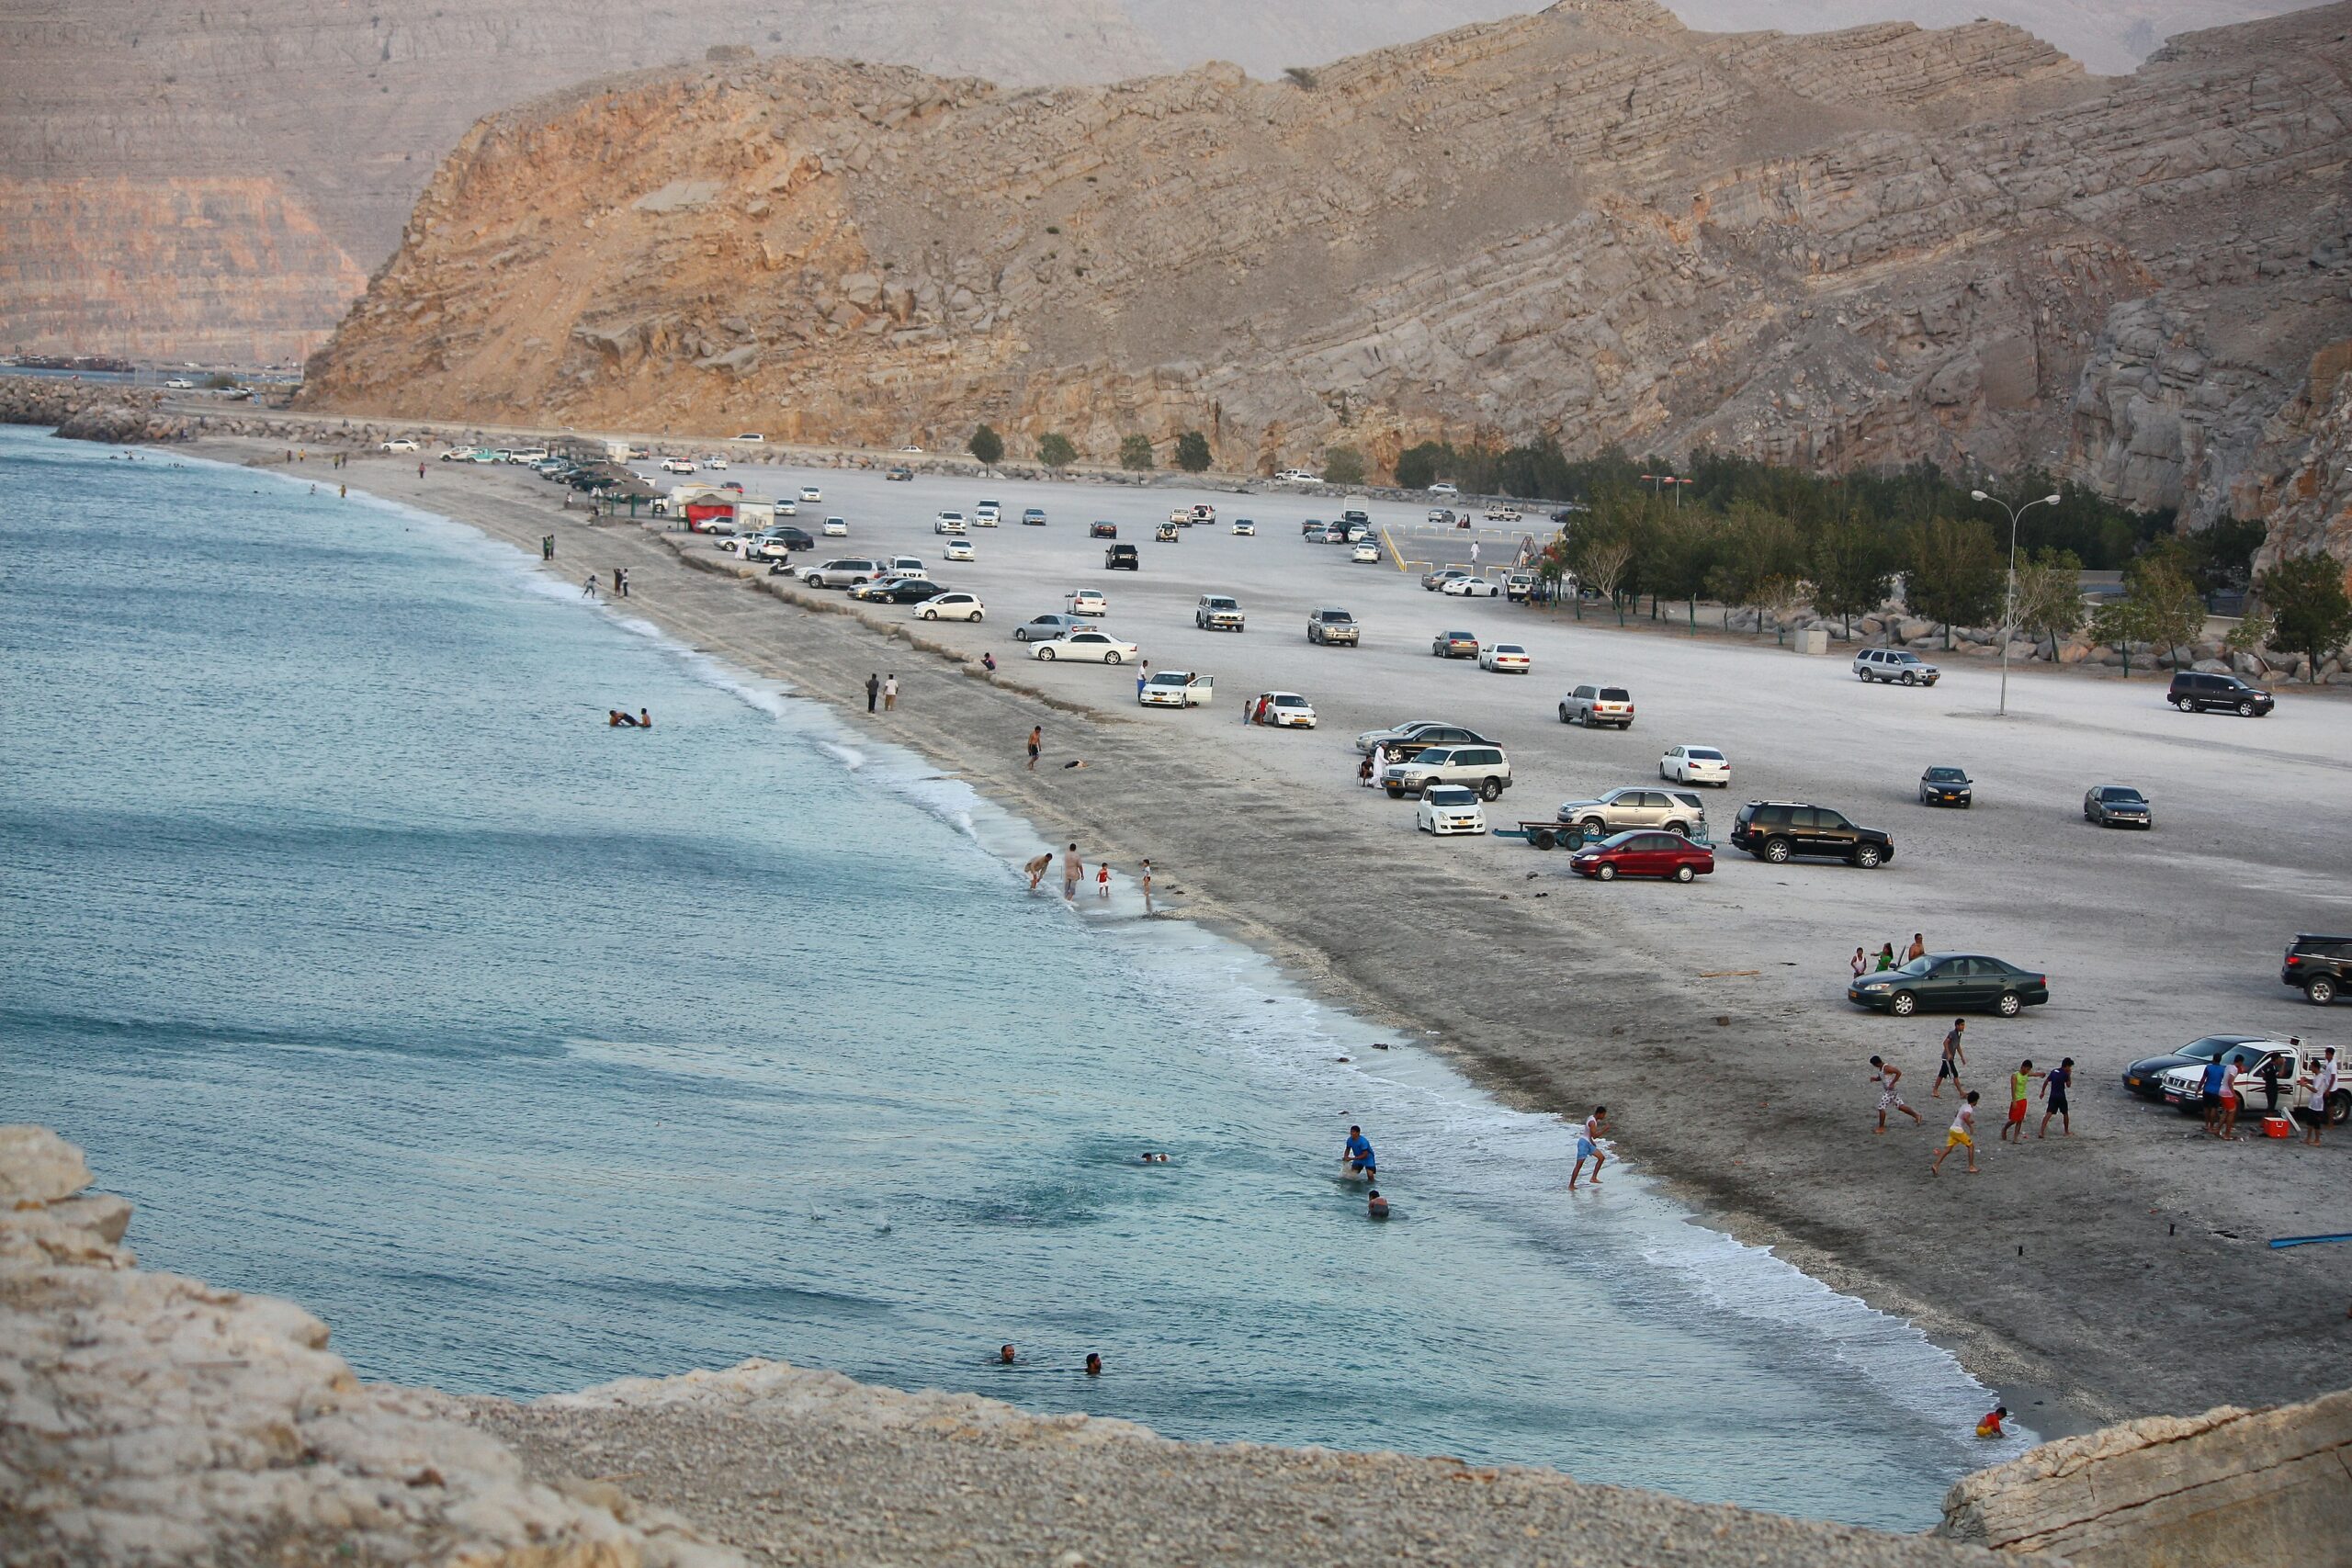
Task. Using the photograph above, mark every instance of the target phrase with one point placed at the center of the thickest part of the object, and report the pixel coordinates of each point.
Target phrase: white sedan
(715, 465)
(1470, 588)
(1176, 689)
(810, 492)
(1368, 552)
(1695, 764)
(402, 443)
(1282, 710)
(959, 549)
(1089, 602)
(1450, 808)
(836, 528)
(1088, 643)
(953, 606)
(1505, 658)
(1246, 528)
(676, 466)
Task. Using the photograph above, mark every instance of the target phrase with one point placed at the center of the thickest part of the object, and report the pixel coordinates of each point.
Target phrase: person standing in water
(1102, 881)
(1357, 1155)
(588, 587)
(1588, 1146)
(1037, 867)
(1073, 869)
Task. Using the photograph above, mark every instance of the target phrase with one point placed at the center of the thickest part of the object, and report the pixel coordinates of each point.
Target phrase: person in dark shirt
(2054, 1084)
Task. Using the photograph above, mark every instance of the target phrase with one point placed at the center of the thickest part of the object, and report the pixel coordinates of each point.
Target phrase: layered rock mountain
(1590, 224)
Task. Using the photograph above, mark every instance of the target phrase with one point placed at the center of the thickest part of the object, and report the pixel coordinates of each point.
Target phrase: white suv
(949, 523)
(1481, 768)
(1897, 665)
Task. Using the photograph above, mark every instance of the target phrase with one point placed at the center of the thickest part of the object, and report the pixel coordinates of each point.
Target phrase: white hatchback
(1505, 658)
(953, 606)
(1450, 808)
(1696, 764)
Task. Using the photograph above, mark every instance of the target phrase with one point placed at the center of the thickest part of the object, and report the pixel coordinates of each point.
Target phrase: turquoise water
(382, 974)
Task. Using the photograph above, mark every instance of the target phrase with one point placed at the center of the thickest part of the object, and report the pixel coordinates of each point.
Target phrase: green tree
(1417, 467)
(2309, 612)
(1681, 555)
(1600, 565)
(2049, 595)
(1056, 450)
(986, 446)
(1759, 561)
(1955, 576)
(1852, 568)
(1343, 466)
(1193, 451)
(220, 381)
(1135, 452)
(2159, 606)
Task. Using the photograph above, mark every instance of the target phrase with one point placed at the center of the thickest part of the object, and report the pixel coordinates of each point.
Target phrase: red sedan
(1643, 853)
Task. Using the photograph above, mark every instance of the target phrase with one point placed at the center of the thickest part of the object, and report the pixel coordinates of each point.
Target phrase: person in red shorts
(2020, 1091)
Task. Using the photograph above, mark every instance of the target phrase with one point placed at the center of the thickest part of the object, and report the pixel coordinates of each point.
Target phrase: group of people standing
(1074, 875)
(1863, 964)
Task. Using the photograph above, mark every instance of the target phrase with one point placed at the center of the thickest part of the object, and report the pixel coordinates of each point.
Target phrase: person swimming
(618, 719)
(1093, 1365)
(1376, 1206)
(1358, 1155)
(645, 718)
(1004, 1355)
(1153, 1158)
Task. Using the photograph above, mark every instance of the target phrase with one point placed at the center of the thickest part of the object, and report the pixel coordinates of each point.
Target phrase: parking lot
(2149, 938)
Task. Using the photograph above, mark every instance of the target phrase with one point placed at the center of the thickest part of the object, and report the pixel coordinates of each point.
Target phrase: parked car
(1333, 533)
(986, 515)
(1086, 643)
(2193, 691)
(1089, 602)
(1450, 808)
(949, 523)
(1176, 689)
(1643, 854)
(751, 435)
(399, 444)
(1455, 645)
(2144, 1077)
(911, 565)
(1481, 767)
(1777, 829)
(1332, 627)
(1947, 786)
(1202, 513)
(1102, 530)
(1409, 738)
(676, 466)
(1122, 558)
(777, 544)
(899, 591)
(899, 472)
(1312, 530)
(1439, 577)
(1032, 517)
(1217, 612)
(1951, 982)
(1899, 665)
(844, 574)
(2117, 806)
(835, 528)
(1467, 587)
(955, 605)
(1505, 659)
(1443, 488)
(1366, 553)
(2183, 1087)
(1696, 764)
(1592, 706)
(811, 494)
(2318, 965)
(1518, 585)
(1244, 528)
(958, 550)
(1678, 811)
(1166, 533)
(715, 465)
(1282, 710)
(1044, 628)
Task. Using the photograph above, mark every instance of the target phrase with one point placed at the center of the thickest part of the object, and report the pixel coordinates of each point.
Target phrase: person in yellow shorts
(1962, 1136)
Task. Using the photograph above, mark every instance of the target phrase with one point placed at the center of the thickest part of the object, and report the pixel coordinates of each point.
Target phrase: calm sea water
(382, 974)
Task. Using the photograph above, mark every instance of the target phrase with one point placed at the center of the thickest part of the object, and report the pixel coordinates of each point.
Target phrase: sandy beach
(2088, 1277)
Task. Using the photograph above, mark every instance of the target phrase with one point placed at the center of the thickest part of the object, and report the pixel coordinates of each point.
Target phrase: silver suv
(1589, 705)
(1482, 768)
(1677, 811)
(1217, 612)
(841, 573)
(1897, 664)
(1333, 626)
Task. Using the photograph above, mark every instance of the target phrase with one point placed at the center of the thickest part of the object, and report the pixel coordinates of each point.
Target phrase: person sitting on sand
(1376, 1206)
(1358, 1157)
(987, 662)
(1990, 1427)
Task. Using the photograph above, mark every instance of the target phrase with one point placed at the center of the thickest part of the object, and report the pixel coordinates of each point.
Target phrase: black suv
(2193, 693)
(1775, 830)
(1121, 557)
(2318, 966)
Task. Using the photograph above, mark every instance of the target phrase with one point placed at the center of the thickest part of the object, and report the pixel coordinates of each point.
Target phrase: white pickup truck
(2184, 1086)
(1176, 689)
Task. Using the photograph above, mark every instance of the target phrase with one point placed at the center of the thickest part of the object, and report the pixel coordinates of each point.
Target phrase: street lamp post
(2009, 600)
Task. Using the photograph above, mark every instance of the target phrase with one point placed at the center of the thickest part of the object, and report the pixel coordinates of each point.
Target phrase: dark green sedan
(1951, 981)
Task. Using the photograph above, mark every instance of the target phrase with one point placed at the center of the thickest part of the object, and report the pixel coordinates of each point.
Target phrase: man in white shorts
(1889, 1099)
(1588, 1146)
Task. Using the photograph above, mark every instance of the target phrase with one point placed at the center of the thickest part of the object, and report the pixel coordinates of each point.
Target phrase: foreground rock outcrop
(1590, 224)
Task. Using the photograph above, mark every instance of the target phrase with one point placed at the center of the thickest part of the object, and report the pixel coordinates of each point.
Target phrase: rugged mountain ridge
(1590, 224)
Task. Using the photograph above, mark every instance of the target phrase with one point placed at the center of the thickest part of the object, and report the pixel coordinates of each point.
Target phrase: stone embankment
(148, 1418)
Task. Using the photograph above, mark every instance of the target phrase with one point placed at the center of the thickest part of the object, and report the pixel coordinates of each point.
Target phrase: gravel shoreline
(2072, 1328)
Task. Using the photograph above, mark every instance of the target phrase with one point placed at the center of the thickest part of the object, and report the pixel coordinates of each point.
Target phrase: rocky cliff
(1590, 224)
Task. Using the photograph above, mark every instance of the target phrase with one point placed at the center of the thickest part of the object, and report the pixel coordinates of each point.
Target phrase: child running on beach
(1962, 1136)
(1889, 1099)
(2020, 1092)
(1102, 881)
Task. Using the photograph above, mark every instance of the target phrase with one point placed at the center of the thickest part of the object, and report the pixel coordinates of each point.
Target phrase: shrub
(986, 446)
(1056, 450)
(1193, 451)
(2309, 609)
(1343, 466)
(1135, 452)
